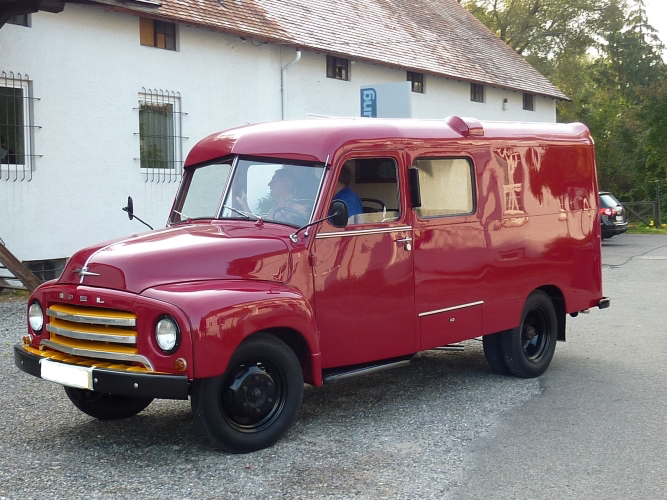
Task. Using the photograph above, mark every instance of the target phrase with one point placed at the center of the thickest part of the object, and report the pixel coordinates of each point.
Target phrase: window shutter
(146, 32)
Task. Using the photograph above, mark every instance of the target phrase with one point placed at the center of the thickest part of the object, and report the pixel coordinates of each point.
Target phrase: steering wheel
(300, 218)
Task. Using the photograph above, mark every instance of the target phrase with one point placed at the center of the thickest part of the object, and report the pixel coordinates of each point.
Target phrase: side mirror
(338, 214)
(415, 192)
(129, 208)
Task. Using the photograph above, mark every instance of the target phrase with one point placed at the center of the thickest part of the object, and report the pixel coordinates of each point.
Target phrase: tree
(606, 57)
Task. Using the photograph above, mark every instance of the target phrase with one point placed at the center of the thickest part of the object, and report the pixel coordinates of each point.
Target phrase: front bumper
(122, 383)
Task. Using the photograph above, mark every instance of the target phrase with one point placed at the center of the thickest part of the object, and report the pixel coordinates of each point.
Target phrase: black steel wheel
(105, 406)
(529, 348)
(255, 401)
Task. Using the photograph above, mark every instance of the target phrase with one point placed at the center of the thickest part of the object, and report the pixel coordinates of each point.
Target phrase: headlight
(167, 334)
(35, 317)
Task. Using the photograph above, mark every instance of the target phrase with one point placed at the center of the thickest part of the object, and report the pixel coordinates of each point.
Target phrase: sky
(656, 11)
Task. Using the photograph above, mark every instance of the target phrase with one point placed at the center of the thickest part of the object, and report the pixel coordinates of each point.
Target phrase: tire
(529, 348)
(106, 406)
(494, 354)
(255, 401)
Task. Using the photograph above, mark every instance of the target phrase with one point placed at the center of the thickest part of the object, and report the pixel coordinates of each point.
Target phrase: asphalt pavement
(443, 427)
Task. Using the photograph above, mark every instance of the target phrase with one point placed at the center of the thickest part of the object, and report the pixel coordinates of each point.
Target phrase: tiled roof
(437, 37)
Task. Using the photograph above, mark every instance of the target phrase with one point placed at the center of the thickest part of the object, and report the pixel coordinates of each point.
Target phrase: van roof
(316, 140)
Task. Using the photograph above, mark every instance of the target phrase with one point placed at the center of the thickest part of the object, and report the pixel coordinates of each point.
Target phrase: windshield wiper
(244, 214)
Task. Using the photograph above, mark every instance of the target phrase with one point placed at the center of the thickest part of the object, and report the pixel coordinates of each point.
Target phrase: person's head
(282, 185)
(345, 176)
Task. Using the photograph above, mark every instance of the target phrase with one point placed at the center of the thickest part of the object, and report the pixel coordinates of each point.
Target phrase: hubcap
(535, 335)
(251, 397)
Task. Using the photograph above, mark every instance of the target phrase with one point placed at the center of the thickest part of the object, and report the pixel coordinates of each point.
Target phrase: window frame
(27, 127)
(477, 92)
(528, 101)
(416, 82)
(20, 20)
(335, 70)
(149, 34)
(473, 187)
(162, 98)
(355, 222)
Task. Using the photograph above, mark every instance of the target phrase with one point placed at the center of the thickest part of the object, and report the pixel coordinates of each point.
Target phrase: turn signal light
(180, 365)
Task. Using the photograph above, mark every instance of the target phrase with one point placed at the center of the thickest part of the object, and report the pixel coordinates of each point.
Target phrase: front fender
(224, 312)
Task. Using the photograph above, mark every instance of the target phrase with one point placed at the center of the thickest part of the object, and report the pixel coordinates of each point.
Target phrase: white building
(104, 99)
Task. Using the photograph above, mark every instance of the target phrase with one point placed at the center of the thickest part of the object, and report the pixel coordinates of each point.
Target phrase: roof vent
(465, 126)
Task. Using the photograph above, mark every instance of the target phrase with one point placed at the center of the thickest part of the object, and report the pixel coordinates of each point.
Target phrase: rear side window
(447, 187)
(608, 201)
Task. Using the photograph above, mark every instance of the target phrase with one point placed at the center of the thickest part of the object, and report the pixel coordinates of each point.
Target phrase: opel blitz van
(311, 251)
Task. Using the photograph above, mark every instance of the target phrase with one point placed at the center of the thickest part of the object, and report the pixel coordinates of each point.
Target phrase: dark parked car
(612, 216)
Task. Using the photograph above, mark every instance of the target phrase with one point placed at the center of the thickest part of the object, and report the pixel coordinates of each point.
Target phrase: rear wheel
(105, 406)
(529, 348)
(255, 401)
(494, 354)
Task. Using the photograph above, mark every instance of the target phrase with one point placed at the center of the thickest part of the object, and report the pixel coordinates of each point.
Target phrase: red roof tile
(438, 37)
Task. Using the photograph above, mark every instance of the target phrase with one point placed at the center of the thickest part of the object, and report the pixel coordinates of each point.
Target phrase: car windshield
(252, 189)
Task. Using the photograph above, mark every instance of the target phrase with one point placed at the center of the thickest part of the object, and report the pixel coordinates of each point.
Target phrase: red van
(311, 251)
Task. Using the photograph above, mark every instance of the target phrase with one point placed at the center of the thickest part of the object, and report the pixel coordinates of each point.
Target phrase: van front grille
(92, 332)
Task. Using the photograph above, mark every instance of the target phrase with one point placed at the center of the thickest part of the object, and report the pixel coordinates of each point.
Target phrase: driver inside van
(284, 206)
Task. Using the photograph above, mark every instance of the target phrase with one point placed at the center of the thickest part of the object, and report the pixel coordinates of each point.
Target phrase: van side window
(375, 181)
(446, 187)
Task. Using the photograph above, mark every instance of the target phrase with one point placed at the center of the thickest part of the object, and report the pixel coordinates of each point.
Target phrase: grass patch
(643, 229)
(7, 295)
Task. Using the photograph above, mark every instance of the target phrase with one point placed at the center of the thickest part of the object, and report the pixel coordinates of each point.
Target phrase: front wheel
(255, 401)
(106, 406)
(528, 349)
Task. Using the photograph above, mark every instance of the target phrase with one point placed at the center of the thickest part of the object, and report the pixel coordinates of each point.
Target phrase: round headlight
(35, 317)
(167, 334)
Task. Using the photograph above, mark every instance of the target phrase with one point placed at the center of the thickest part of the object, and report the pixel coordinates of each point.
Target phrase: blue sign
(369, 103)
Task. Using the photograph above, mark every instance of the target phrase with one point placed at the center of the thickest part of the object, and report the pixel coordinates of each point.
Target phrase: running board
(359, 370)
(450, 347)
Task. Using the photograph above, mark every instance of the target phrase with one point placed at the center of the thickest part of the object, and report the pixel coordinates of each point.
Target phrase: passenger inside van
(343, 192)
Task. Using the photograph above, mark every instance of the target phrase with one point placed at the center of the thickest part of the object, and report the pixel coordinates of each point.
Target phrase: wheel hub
(252, 395)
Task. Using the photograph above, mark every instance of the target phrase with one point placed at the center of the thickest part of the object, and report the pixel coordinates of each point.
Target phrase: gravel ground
(397, 434)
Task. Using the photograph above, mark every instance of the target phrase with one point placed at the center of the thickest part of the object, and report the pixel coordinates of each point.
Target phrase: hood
(179, 254)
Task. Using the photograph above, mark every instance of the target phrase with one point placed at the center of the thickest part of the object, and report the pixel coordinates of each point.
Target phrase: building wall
(87, 69)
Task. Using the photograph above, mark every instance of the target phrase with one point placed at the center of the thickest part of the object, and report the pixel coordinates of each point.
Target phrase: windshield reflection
(273, 192)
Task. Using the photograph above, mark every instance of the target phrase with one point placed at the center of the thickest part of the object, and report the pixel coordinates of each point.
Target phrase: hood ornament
(83, 272)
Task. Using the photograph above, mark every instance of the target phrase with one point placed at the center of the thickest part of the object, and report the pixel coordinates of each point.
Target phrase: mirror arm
(293, 237)
(144, 223)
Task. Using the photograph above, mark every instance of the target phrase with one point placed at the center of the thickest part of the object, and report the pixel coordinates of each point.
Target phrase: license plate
(72, 376)
(619, 218)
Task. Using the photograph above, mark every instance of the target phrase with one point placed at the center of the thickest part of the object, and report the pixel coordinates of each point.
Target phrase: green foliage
(606, 57)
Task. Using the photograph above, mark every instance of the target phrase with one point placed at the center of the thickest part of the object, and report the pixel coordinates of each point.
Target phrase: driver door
(363, 274)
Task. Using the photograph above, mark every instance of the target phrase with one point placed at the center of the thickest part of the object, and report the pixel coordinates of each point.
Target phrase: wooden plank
(16, 267)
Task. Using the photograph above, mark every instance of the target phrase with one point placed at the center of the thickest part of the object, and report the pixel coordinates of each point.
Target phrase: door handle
(407, 242)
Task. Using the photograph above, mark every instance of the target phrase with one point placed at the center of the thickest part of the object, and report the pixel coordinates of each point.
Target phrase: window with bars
(477, 92)
(338, 68)
(529, 102)
(417, 80)
(160, 34)
(160, 139)
(16, 127)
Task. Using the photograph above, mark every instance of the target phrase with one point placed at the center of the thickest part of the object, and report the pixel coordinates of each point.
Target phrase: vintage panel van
(310, 251)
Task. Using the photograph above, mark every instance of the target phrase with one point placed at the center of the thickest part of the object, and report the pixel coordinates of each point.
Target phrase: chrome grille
(92, 332)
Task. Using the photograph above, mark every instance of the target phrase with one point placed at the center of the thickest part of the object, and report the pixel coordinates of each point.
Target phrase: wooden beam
(16, 267)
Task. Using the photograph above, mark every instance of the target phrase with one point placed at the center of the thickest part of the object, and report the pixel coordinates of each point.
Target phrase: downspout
(283, 83)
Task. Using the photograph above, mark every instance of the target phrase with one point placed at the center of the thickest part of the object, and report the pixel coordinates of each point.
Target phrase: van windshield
(252, 189)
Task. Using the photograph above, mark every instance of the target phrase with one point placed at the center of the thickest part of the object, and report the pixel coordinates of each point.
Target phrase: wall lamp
(505, 104)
